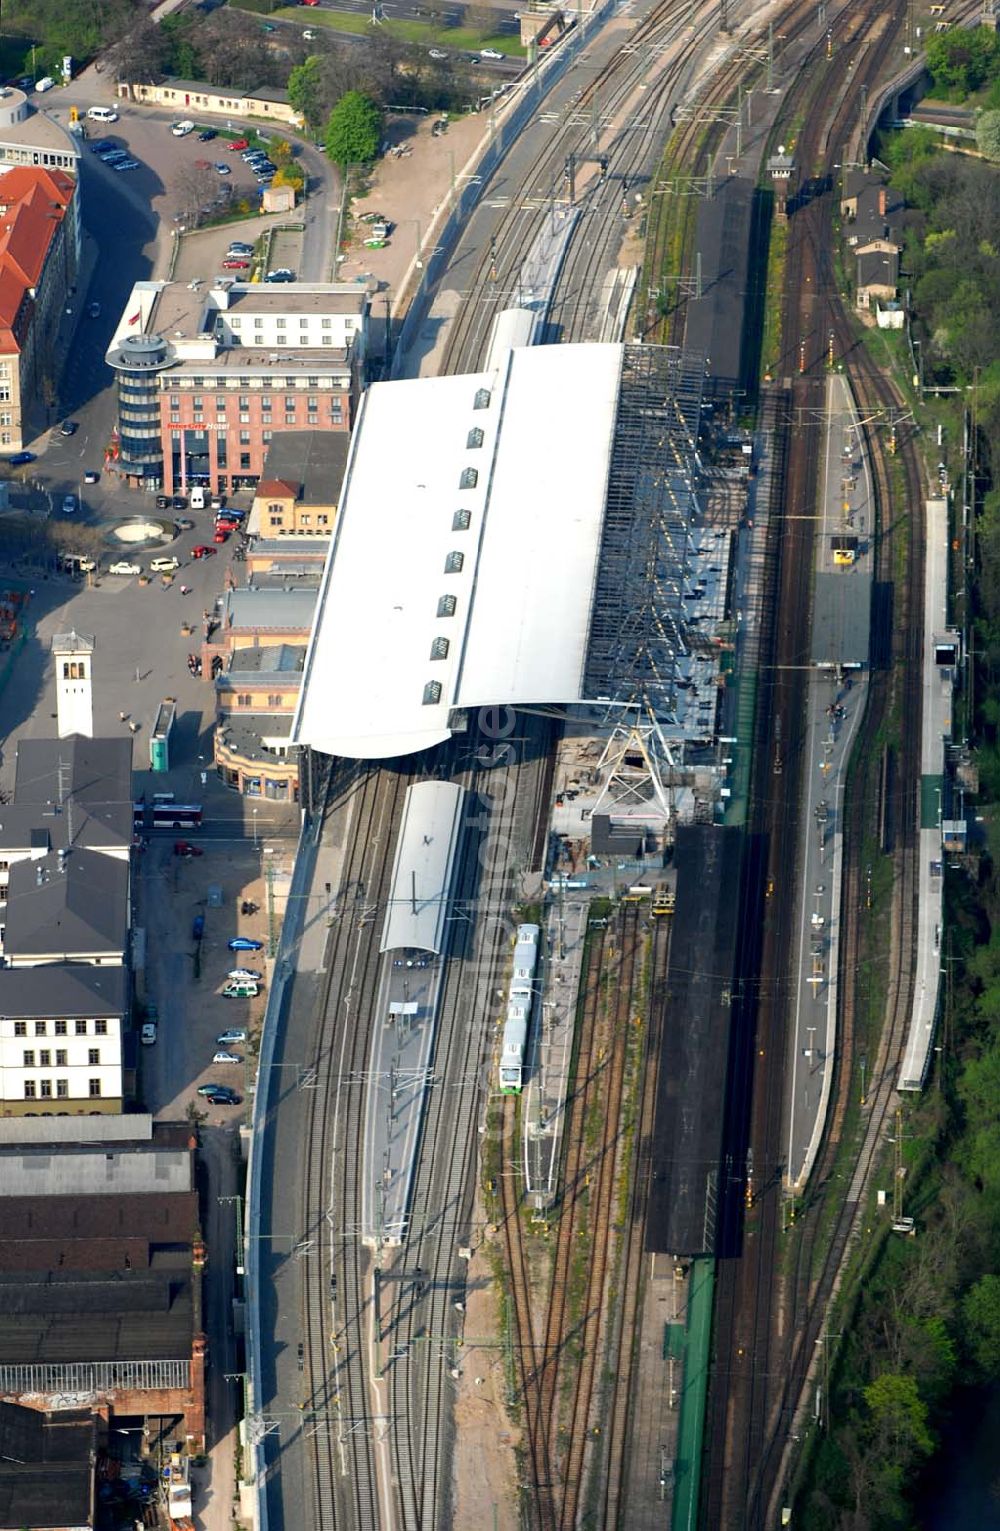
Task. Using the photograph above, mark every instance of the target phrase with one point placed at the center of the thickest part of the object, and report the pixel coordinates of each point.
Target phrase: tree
(354, 130)
(194, 188)
(962, 60)
(988, 135)
(981, 1324)
(481, 19)
(305, 90)
(898, 1417)
(141, 54)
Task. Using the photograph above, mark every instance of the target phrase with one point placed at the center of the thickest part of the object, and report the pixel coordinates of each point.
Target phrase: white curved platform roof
(464, 557)
(423, 868)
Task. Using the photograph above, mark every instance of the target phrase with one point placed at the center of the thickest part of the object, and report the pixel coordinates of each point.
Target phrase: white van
(102, 114)
(197, 497)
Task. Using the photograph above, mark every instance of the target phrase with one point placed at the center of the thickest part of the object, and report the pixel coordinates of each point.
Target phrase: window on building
(220, 402)
(245, 419)
(45, 1089)
(327, 324)
(45, 1058)
(29, 1089)
(432, 693)
(276, 521)
(439, 648)
(244, 402)
(60, 1028)
(244, 699)
(469, 479)
(94, 1056)
(274, 701)
(175, 404)
(265, 404)
(289, 401)
(245, 461)
(101, 1027)
(461, 520)
(303, 323)
(322, 520)
(274, 510)
(80, 1028)
(236, 321)
(454, 563)
(280, 324)
(258, 324)
(328, 340)
(20, 1028)
(266, 435)
(482, 399)
(196, 403)
(60, 1057)
(40, 1028)
(29, 1058)
(446, 606)
(474, 438)
(312, 403)
(245, 437)
(62, 1089)
(281, 340)
(95, 1088)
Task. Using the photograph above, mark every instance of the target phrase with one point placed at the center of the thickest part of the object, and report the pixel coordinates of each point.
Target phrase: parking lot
(184, 977)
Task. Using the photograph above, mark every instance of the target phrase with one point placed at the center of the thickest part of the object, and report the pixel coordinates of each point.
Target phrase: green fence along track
(694, 1388)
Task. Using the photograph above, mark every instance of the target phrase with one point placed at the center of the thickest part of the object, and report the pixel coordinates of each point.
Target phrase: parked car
(242, 990)
(18, 459)
(148, 1033)
(126, 164)
(69, 505)
(309, 35)
(245, 944)
(239, 247)
(185, 848)
(44, 84)
(220, 536)
(198, 927)
(235, 263)
(165, 565)
(223, 169)
(281, 274)
(248, 975)
(102, 145)
(224, 525)
(185, 525)
(94, 310)
(221, 1096)
(225, 1057)
(218, 500)
(201, 551)
(437, 53)
(181, 129)
(114, 155)
(211, 1089)
(163, 502)
(231, 1035)
(238, 143)
(124, 567)
(206, 135)
(91, 476)
(490, 53)
(69, 428)
(178, 502)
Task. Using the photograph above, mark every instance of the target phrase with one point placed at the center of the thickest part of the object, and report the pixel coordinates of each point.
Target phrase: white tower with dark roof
(74, 657)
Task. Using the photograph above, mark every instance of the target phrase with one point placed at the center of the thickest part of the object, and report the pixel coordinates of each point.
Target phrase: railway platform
(842, 596)
(941, 656)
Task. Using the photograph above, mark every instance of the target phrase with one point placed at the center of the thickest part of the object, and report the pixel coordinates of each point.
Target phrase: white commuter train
(520, 996)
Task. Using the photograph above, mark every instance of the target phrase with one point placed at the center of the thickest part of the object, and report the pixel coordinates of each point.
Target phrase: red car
(221, 536)
(225, 525)
(234, 264)
(185, 848)
(201, 551)
(239, 143)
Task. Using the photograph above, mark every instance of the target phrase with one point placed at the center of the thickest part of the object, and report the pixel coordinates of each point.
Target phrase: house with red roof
(39, 256)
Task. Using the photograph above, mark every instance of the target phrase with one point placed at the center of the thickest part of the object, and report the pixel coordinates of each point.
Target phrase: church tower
(74, 655)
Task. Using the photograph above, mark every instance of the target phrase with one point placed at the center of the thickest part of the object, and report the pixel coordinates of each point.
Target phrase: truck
(159, 739)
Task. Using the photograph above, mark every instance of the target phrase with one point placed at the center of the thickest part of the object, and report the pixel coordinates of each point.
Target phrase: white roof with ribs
(464, 556)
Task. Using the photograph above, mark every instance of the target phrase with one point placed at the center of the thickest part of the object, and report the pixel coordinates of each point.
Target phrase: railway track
(759, 1371)
(494, 282)
(560, 1367)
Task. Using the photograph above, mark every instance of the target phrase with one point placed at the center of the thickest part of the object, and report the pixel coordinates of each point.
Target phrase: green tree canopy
(898, 1416)
(354, 130)
(988, 135)
(962, 60)
(305, 86)
(981, 1324)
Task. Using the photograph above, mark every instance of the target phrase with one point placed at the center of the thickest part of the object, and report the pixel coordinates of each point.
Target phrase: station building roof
(424, 868)
(464, 558)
